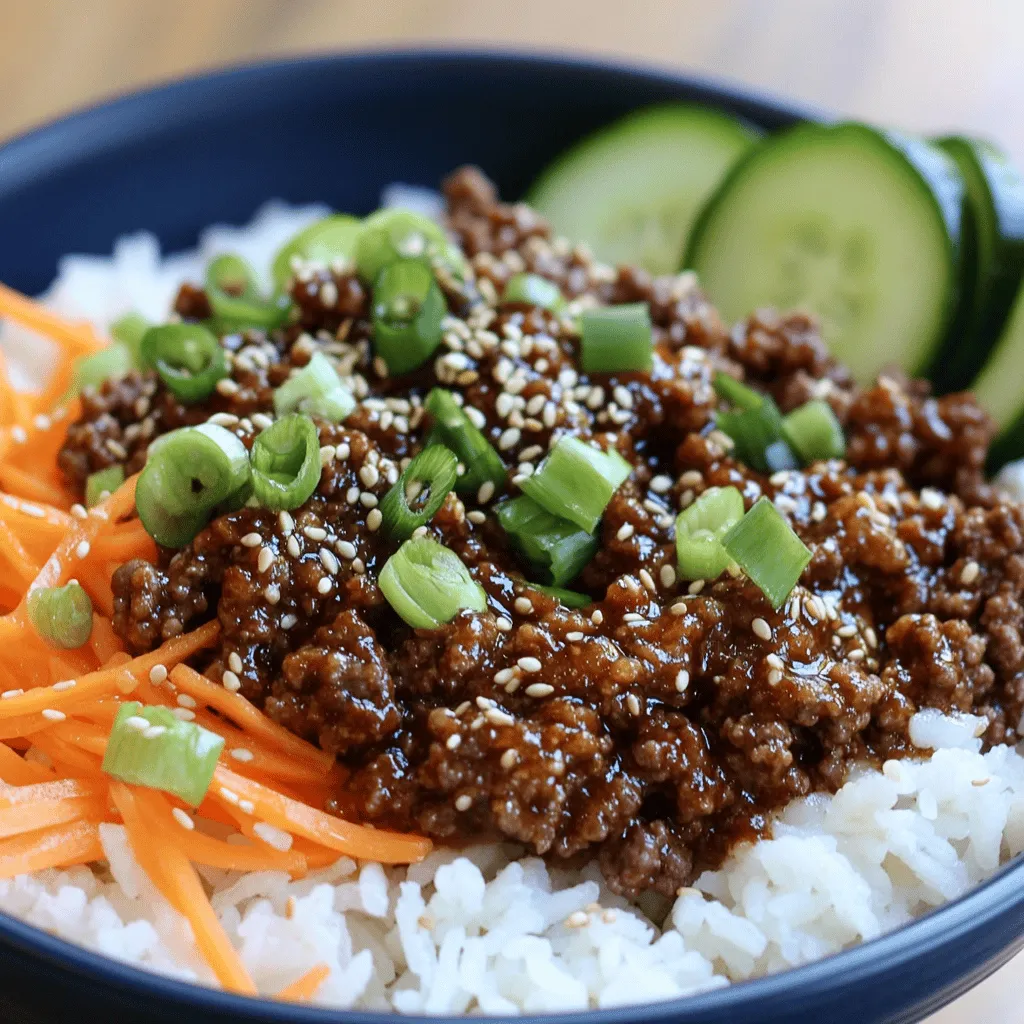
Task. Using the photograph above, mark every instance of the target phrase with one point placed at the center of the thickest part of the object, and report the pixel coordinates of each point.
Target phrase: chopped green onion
(814, 432)
(326, 241)
(285, 462)
(188, 473)
(576, 481)
(235, 297)
(454, 429)
(765, 547)
(570, 598)
(62, 616)
(152, 747)
(427, 584)
(699, 531)
(316, 389)
(408, 307)
(394, 234)
(110, 363)
(736, 393)
(102, 483)
(534, 290)
(128, 331)
(188, 358)
(555, 547)
(616, 339)
(426, 481)
(759, 437)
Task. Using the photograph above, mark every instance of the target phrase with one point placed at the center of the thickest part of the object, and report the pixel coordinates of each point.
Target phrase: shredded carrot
(15, 821)
(16, 771)
(104, 641)
(17, 557)
(60, 846)
(74, 339)
(125, 543)
(303, 989)
(25, 485)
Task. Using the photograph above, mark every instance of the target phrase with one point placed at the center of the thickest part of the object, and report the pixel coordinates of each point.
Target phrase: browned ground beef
(665, 721)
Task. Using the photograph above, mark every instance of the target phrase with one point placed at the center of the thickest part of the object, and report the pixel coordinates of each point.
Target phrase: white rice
(490, 931)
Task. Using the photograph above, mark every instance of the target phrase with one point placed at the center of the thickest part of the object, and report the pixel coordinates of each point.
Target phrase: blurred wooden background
(924, 65)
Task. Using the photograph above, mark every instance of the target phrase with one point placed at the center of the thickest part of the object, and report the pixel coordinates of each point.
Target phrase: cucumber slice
(993, 255)
(1000, 390)
(632, 190)
(860, 227)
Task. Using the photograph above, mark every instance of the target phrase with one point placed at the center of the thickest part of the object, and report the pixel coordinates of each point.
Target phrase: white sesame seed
(9, 694)
(19, 434)
(183, 819)
(632, 617)
(272, 593)
(231, 681)
(79, 511)
(932, 498)
(184, 714)
(293, 546)
(774, 677)
(286, 522)
(574, 636)
(352, 495)
(539, 690)
(325, 585)
(157, 674)
(859, 655)
(242, 754)
(53, 715)
(529, 664)
(625, 531)
(502, 676)
(504, 624)
(154, 732)
(328, 560)
(679, 608)
(597, 616)
(229, 795)
(227, 387)
(647, 579)
(523, 605)
(682, 680)
(265, 560)
(82, 551)
(137, 722)
(247, 806)
(369, 475)
(234, 662)
(970, 573)
(622, 396)
(185, 701)
(252, 540)
(374, 518)
(509, 759)
(346, 549)
(761, 629)
(498, 717)
(661, 484)
(69, 684)
(315, 533)
(695, 587)
(288, 621)
(632, 704)
(368, 500)
(509, 438)
(463, 802)
(454, 741)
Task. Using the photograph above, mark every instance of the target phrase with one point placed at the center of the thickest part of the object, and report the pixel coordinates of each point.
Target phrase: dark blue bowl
(336, 129)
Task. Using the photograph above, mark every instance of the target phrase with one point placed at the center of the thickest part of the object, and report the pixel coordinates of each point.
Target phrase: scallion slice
(616, 339)
(814, 432)
(419, 492)
(576, 481)
(316, 389)
(285, 463)
(736, 393)
(699, 531)
(151, 747)
(62, 616)
(765, 547)
(454, 429)
(128, 330)
(188, 358)
(102, 483)
(570, 598)
(394, 234)
(759, 437)
(534, 290)
(235, 297)
(427, 584)
(110, 363)
(327, 241)
(554, 547)
(408, 307)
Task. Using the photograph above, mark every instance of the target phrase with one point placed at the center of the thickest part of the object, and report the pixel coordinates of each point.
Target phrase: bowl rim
(100, 125)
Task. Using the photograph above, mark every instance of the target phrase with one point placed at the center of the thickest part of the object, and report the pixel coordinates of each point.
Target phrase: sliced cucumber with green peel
(858, 226)
(993, 255)
(631, 191)
(999, 388)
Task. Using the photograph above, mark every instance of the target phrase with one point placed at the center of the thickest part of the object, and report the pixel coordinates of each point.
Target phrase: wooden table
(925, 65)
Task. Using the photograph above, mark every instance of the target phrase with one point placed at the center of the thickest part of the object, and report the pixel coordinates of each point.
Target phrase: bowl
(337, 128)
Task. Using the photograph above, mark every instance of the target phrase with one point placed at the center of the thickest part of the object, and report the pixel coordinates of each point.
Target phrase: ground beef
(664, 722)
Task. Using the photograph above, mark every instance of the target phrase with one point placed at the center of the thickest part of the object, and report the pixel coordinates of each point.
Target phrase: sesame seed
(8, 694)
(577, 919)
(183, 819)
(818, 511)
(774, 677)
(529, 664)
(52, 715)
(509, 438)
(231, 681)
(352, 495)
(633, 704)
(485, 492)
(504, 624)
(247, 806)
(252, 540)
(227, 387)
(454, 741)
(661, 484)
(597, 616)
(420, 531)
(859, 655)
(667, 575)
(625, 531)
(369, 475)
(622, 396)
(846, 631)
(970, 573)
(346, 548)
(539, 690)
(289, 621)
(931, 498)
(498, 717)
(242, 754)
(695, 587)
(274, 837)
(463, 802)
(646, 579)
(502, 676)
(265, 560)
(286, 522)
(761, 629)
(261, 420)
(632, 617)
(315, 533)
(229, 795)
(157, 674)
(272, 593)
(69, 684)
(523, 605)
(82, 551)
(774, 661)
(679, 608)
(154, 732)
(79, 511)
(325, 585)
(234, 662)
(510, 759)
(19, 434)
(137, 722)
(368, 500)
(328, 561)
(374, 518)
(185, 701)
(574, 637)
(184, 714)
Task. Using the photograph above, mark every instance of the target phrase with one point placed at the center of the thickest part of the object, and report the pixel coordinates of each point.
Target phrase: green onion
(426, 481)
(616, 338)
(316, 389)
(736, 393)
(699, 531)
(188, 358)
(408, 308)
(151, 747)
(453, 429)
(576, 481)
(128, 331)
(110, 363)
(394, 234)
(814, 432)
(235, 297)
(570, 598)
(102, 483)
(285, 462)
(759, 437)
(555, 547)
(765, 547)
(62, 616)
(534, 290)
(427, 584)
(188, 473)
(326, 241)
